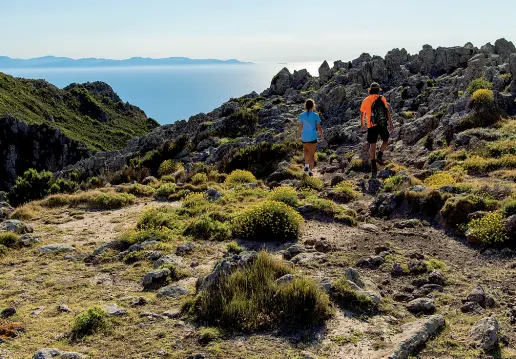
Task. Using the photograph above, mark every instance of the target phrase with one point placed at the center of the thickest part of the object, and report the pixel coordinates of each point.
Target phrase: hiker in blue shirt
(309, 125)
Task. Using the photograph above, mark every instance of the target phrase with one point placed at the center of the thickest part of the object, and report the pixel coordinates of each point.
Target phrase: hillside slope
(91, 113)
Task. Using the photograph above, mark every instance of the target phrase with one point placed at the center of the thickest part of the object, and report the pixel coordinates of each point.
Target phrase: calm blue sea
(172, 93)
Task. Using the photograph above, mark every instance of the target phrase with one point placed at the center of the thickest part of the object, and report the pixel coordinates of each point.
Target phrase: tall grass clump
(90, 200)
(348, 297)
(250, 299)
(9, 239)
(267, 221)
(209, 229)
(331, 209)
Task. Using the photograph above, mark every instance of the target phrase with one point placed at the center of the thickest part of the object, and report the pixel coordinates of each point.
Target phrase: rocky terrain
(43, 127)
(204, 239)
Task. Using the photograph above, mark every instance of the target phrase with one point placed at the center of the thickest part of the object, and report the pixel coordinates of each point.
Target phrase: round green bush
(199, 178)
(482, 99)
(240, 177)
(509, 208)
(479, 84)
(345, 191)
(268, 221)
(209, 229)
(285, 194)
(89, 322)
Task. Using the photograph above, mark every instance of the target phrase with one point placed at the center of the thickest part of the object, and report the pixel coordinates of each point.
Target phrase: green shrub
(439, 180)
(479, 84)
(345, 191)
(127, 239)
(166, 189)
(90, 200)
(409, 114)
(133, 257)
(357, 165)
(158, 218)
(207, 228)
(240, 177)
(9, 239)
(333, 157)
(238, 124)
(285, 194)
(90, 322)
(140, 190)
(267, 221)
(175, 272)
(439, 155)
(32, 185)
(321, 156)
(347, 297)
(480, 165)
(167, 167)
(168, 179)
(500, 148)
(489, 230)
(250, 299)
(311, 182)
(63, 186)
(94, 182)
(234, 247)
(457, 209)
(482, 99)
(509, 208)
(199, 178)
(3, 250)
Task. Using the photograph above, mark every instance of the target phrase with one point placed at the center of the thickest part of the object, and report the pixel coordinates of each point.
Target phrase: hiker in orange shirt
(375, 110)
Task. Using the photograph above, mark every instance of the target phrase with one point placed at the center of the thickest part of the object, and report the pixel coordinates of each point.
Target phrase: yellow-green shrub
(337, 212)
(91, 200)
(166, 189)
(199, 178)
(345, 191)
(439, 180)
(311, 182)
(479, 84)
(482, 98)
(267, 221)
(90, 322)
(285, 194)
(167, 167)
(346, 296)
(456, 209)
(9, 239)
(240, 177)
(207, 228)
(489, 230)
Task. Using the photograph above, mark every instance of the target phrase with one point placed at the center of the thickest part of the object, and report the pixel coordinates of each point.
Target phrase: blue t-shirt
(309, 121)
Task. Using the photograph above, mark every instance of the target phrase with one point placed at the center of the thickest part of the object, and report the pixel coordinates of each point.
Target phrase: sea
(172, 93)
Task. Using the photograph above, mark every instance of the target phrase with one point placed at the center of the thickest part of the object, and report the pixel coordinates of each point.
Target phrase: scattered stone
(471, 307)
(380, 249)
(28, 239)
(150, 315)
(478, 295)
(383, 205)
(323, 246)
(484, 333)
(309, 242)
(408, 223)
(305, 209)
(63, 309)
(72, 355)
(417, 267)
(307, 258)
(137, 302)
(114, 310)
(172, 314)
(37, 311)
(436, 277)
(294, 250)
(427, 289)
(169, 259)
(56, 248)
(213, 194)
(397, 270)
(371, 262)
(7, 312)
(16, 226)
(185, 248)
(46, 354)
(415, 334)
(421, 306)
(225, 267)
(419, 282)
(197, 356)
(369, 227)
(402, 297)
(307, 355)
(194, 264)
(156, 279)
(173, 291)
(287, 278)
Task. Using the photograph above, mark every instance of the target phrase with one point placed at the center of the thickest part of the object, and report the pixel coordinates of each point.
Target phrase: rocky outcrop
(42, 147)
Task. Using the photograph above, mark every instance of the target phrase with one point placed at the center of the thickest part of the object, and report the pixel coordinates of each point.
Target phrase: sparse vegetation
(345, 191)
(285, 194)
(89, 322)
(479, 84)
(90, 200)
(210, 229)
(240, 177)
(346, 296)
(489, 230)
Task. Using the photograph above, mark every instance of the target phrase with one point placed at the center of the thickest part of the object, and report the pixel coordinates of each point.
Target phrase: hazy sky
(251, 30)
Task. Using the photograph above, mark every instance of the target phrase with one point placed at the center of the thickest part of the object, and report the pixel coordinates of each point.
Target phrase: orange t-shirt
(367, 106)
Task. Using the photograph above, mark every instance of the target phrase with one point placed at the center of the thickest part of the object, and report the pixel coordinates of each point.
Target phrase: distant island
(53, 61)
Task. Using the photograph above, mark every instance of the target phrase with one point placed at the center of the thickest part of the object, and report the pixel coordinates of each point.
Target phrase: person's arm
(320, 130)
(362, 117)
(300, 130)
(390, 120)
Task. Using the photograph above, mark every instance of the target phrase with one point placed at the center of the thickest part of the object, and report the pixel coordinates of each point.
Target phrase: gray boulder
(168, 259)
(173, 291)
(114, 310)
(421, 306)
(436, 277)
(383, 205)
(156, 279)
(413, 131)
(28, 240)
(293, 251)
(504, 48)
(484, 333)
(56, 248)
(46, 354)
(300, 78)
(185, 248)
(416, 334)
(324, 71)
(16, 226)
(281, 82)
(72, 355)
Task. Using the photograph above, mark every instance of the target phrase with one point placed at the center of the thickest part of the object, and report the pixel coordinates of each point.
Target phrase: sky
(248, 30)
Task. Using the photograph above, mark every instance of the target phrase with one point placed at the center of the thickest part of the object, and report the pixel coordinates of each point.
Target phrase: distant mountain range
(52, 61)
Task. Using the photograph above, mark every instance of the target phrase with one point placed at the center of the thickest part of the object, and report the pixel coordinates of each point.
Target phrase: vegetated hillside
(91, 113)
(46, 128)
(419, 263)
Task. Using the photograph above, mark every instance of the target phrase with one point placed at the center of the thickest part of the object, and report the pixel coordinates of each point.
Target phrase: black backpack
(379, 112)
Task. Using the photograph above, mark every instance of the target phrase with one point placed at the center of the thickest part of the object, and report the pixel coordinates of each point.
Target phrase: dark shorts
(374, 132)
(314, 141)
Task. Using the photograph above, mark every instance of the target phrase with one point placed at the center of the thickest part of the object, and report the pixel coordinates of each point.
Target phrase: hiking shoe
(373, 175)
(379, 156)
(310, 173)
(306, 168)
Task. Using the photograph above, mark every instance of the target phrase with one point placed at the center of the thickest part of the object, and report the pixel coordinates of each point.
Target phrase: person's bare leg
(372, 151)
(306, 149)
(312, 155)
(384, 145)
